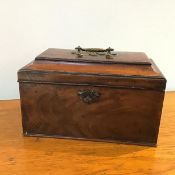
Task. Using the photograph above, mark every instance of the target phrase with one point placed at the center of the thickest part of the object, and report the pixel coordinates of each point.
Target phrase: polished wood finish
(48, 156)
(51, 105)
(94, 68)
(132, 76)
(57, 110)
(120, 57)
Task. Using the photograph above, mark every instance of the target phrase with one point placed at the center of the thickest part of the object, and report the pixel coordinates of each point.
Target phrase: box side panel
(125, 115)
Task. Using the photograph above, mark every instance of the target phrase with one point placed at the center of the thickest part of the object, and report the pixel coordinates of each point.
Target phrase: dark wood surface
(46, 63)
(120, 57)
(115, 75)
(128, 110)
(89, 68)
(119, 115)
(48, 156)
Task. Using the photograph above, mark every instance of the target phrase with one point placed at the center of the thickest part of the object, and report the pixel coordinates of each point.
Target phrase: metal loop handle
(95, 51)
(108, 50)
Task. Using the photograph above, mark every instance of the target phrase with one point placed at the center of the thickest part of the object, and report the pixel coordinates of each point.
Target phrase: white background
(28, 27)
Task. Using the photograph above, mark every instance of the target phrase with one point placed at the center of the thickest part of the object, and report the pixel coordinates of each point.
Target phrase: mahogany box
(92, 94)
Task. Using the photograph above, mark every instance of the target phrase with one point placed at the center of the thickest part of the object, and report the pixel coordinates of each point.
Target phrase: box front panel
(97, 113)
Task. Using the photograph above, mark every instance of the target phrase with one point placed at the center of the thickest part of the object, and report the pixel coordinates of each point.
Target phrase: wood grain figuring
(87, 68)
(100, 80)
(66, 54)
(51, 106)
(141, 64)
(48, 156)
(57, 110)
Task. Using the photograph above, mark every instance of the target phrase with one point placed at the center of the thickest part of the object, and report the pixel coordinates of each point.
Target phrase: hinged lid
(123, 70)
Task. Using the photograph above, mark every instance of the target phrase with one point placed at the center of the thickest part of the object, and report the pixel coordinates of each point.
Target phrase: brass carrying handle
(108, 50)
(95, 51)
